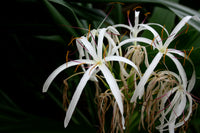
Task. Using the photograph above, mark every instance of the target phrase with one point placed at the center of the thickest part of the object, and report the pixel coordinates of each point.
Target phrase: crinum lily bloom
(163, 50)
(96, 61)
(177, 106)
(137, 28)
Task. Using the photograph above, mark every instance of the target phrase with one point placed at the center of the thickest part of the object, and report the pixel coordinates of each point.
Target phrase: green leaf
(92, 14)
(59, 19)
(65, 4)
(178, 9)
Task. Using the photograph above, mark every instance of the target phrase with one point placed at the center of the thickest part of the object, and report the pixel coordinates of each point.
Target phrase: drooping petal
(113, 30)
(154, 32)
(139, 91)
(60, 69)
(122, 59)
(77, 94)
(193, 78)
(114, 88)
(181, 106)
(180, 69)
(176, 30)
(188, 114)
(160, 26)
(122, 25)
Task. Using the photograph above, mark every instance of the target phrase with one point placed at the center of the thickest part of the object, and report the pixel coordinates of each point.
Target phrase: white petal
(159, 26)
(136, 19)
(154, 32)
(88, 46)
(122, 59)
(188, 114)
(177, 29)
(114, 88)
(122, 25)
(139, 91)
(80, 50)
(180, 69)
(100, 42)
(113, 44)
(60, 69)
(181, 106)
(138, 39)
(77, 95)
(113, 30)
(193, 78)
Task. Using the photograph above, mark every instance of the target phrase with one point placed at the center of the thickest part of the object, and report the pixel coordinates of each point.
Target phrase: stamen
(81, 44)
(88, 32)
(94, 66)
(128, 13)
(184, 58)
(166, 106)
(187, 28)
(116, 3)
(176, 44)
(162, 32)
(190, 52)
(136, 8)
(123, 36)
(67, 55)
(105, 17)
(78, 66)
(104, 53)
(93, 38)
(195, 98)
(165, 55)
(73, 38)
(153, 41)
(146, 14)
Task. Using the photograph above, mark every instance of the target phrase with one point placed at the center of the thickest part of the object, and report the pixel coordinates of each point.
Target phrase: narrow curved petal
(114, 88)
(188, 114)
(154, 32)
(100, 42)
(139, 91)
(77, 95)
(181, 106)
(113, 44)
(122, 25)
(193, 78)
(60, 69)
(80, 50)
(159, 26)
(113, 30)
(138, 39)
(84, 42)
(177, 29)
(122, 59)
(180, 69)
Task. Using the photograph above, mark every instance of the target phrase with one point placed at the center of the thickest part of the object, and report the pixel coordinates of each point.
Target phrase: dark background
(27, 60)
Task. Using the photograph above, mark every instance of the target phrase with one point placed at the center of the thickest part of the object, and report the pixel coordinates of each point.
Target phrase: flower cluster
(164, 94)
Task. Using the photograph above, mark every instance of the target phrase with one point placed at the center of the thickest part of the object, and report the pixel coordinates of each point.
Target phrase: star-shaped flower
(96, 60)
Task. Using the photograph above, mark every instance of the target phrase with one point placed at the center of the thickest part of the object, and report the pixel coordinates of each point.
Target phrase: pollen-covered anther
(137, 7)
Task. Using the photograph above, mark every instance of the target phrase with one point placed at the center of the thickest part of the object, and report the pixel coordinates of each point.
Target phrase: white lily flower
(137, 28)
(163, 50)
(95, 61)
(177, 106)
